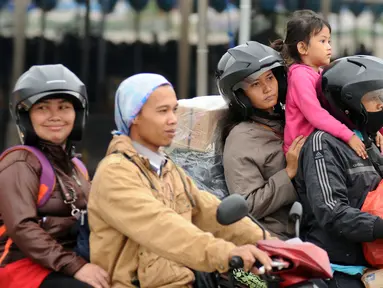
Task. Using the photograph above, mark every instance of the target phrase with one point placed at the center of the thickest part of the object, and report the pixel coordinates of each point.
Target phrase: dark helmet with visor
(44, 82)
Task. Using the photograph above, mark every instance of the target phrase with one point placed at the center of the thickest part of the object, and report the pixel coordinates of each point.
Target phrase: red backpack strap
(8, 243)
(47, 177)
(81, 167)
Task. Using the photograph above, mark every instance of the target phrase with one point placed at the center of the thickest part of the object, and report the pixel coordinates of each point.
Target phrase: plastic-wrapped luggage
(196, 147)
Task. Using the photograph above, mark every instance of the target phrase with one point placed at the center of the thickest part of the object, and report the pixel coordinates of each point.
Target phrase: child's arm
(305, 97)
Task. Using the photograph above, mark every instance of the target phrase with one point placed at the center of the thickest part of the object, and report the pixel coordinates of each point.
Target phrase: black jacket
(332, 183)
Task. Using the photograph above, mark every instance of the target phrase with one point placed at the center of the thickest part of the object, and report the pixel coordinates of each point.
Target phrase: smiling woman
(38, 239)
(53, 119)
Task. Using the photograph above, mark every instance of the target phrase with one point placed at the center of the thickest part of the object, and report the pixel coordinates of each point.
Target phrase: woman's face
(263, 92)
(53, 119)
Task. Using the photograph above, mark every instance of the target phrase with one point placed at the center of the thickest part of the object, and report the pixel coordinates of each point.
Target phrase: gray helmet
(47, 81)
(248, 60)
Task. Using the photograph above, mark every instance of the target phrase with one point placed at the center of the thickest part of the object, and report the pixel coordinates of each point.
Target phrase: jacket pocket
(183, 205)
(155, 271)
(59, 227)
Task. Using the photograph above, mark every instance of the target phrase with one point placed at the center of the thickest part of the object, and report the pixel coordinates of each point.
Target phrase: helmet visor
(373, 100)
(244, 84)
(29, 102)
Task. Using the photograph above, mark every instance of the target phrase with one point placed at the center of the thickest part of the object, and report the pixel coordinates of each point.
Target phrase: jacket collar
(56, 155)
(156, 160)
(151, 160)
(277, 125)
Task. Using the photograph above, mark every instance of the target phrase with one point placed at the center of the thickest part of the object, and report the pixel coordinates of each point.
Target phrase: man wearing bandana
(150, 225)
(332, 181)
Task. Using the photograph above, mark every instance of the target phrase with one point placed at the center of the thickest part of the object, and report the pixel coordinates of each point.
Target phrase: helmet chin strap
(279, 113)
(70, 149)
(20, 134)
(367, 140)
(361, 124)
(372, 151)
(249, 110)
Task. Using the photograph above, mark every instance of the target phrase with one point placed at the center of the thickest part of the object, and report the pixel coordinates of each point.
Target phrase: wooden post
(184, 50)
(202, 49)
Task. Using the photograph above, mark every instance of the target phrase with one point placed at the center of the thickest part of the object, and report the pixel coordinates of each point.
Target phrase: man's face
(373, 104)
(373, 101)
(155, 126)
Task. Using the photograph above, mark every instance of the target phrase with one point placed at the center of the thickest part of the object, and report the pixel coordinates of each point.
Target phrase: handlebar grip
(236, 262)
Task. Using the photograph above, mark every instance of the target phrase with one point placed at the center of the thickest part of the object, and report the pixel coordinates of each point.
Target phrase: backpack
(47, 184)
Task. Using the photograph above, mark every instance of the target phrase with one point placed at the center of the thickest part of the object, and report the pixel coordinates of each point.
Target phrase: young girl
(307, 48)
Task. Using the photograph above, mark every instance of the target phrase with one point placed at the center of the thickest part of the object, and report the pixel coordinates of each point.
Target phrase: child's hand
(379, 141)
(358, 146)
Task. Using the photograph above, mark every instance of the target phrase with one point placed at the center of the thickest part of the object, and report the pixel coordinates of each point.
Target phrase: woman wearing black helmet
(251, 77)
(49, 104)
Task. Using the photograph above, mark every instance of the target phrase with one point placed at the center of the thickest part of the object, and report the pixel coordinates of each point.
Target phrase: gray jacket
(254, 165)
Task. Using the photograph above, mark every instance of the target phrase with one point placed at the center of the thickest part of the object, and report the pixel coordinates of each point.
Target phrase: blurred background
(106, 41)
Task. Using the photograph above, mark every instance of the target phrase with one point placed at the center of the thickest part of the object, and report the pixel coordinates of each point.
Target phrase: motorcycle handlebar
(236, 262)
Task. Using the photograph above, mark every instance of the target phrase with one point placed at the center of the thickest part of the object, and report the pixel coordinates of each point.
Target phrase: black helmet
(47, 81)
(240, 62)
(345, 82)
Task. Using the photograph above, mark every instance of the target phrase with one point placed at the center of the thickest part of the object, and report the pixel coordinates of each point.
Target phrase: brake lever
(277, 265)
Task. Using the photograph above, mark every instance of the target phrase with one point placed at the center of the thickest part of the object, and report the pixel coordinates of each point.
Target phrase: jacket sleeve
(243, 176)
(205, 215)
(19, 184)
(119, 196)
(326, 190)
(305, 97)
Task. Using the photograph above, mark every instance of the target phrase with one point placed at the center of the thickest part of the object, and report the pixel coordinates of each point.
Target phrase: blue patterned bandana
(131, 96)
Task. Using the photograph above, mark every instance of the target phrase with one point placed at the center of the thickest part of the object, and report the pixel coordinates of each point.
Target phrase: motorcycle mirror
(232, 209)
(296, 211)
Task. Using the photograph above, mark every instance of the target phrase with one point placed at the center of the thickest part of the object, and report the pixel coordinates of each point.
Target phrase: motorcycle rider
(149, 222)
(49, 105)
(332, 181)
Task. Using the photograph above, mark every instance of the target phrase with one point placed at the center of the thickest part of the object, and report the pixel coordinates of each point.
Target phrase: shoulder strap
(47, 177)
(188, 194)
(152, 186)
(47, 183)
(81, 167)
